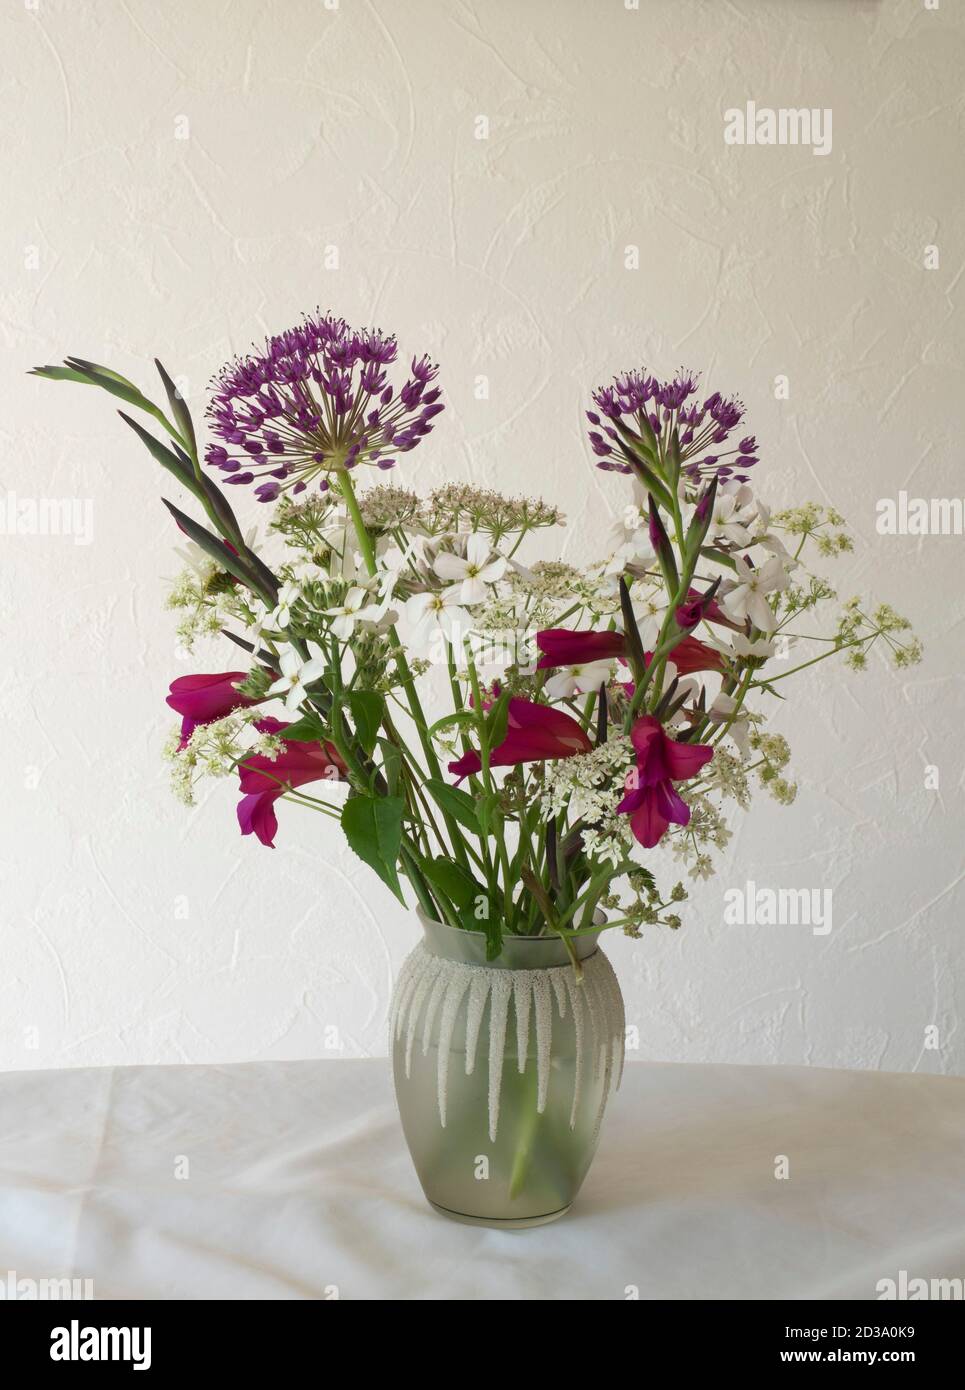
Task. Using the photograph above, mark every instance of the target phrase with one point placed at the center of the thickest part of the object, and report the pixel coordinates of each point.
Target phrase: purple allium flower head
(313, 401)
(643, 413)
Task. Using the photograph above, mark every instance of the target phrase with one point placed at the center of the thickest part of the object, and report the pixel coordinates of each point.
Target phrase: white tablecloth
(291, 1180)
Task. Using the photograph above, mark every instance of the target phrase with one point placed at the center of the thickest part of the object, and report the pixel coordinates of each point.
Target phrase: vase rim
(518, 952)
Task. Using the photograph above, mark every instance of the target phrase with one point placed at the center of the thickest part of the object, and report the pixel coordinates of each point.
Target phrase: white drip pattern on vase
(431, 988)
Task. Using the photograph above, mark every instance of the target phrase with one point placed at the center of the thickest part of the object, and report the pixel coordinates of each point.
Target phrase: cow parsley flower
(214, 750)
(460, 507)
(589, 783)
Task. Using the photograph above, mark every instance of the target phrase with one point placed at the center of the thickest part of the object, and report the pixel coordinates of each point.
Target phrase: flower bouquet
(501, 743)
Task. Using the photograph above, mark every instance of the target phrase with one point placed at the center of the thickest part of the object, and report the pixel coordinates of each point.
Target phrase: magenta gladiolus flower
(562, 646)
(690, 655)
(534, 734)
(264, 781)
(696, 608)
(201, 699)
(712, 611)
(651, 800)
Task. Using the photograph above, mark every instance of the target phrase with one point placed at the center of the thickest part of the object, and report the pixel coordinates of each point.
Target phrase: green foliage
(373, 828)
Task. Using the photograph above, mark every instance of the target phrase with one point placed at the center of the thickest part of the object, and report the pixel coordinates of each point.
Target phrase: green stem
(408, 685)
(419, 885)
(490, 786)
(527, 1129)
(772, 680)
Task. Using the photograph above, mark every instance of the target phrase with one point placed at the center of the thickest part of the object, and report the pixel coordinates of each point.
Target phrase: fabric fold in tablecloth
(291, 1180)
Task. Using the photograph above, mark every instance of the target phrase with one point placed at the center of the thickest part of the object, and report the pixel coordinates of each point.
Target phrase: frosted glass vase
(503, 1070)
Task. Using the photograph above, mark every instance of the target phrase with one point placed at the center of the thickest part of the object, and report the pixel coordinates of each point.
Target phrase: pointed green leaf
(455, 881)
(455, 802)
(718, 557)
(265, 657)
(601, 716)
(373, 828)
(646, 448)
(673, 457)
(163, 455)
(391, 764)
(486, 807)
(368, 709)
(110, 381)
(101, 370)
(635, 653)
(219, 552)
(179, 410)
(61, 374)
(552, 861)
(226, 519)
(308, 729)
(462, 718)
(497, 721)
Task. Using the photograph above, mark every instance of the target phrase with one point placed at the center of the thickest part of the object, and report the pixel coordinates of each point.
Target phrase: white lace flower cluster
(591, 785)
(215, 749)
(707, 830)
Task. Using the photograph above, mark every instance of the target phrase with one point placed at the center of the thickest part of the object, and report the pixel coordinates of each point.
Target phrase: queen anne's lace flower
(591, 783)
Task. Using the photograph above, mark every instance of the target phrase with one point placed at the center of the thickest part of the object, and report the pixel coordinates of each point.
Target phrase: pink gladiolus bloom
(712, 611)
(562, 646)
(264, 781)
(201, 699)
(534, 733)
(689, 655)
(651, 800)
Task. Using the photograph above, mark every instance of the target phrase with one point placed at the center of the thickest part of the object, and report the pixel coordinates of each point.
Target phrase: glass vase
(503, 1070)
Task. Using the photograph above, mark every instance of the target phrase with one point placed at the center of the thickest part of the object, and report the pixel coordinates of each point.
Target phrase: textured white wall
(311, 125)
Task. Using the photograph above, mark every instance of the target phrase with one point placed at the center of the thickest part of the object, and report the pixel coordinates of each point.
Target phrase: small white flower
(747, 599)
(743, 646)
(772, 543)
(579, 680)
(470, 576)
(288, 596)
(777, 548)
(355, 608)
(434, 614)
(394, 562)
(295, 675)
(722, 709)
(635, 553)
(345, 560)
(734, 513)
(628, 544)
